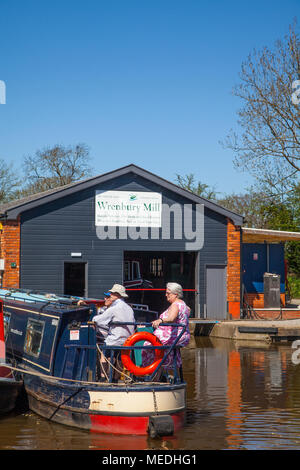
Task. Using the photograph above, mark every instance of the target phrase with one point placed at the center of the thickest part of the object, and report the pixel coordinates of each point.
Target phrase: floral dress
(168, 335)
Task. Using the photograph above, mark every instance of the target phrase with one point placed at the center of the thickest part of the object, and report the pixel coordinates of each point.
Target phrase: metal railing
(81, 371)
(167, 348)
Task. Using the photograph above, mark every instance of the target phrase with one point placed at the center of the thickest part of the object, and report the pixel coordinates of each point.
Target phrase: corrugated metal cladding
(51, 232)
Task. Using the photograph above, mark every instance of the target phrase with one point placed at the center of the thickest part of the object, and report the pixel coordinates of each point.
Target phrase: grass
(294, 283)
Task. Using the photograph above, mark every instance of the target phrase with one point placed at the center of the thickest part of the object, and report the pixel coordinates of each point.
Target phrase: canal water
(240, 395)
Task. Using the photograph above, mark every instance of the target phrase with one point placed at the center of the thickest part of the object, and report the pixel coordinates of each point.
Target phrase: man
(102, 331)
(117, 311)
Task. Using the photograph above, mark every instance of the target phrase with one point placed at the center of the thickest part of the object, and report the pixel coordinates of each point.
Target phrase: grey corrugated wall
(50, 233)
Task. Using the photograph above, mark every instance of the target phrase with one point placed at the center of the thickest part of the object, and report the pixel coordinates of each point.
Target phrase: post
(2, 339)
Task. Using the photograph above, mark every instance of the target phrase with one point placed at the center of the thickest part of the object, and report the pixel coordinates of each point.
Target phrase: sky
(147, 82)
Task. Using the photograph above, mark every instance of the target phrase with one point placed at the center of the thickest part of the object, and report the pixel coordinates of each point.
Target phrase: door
(216, 292)
(75, 279)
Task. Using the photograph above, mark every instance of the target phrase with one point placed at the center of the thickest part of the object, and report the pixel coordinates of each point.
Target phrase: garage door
(216, 292)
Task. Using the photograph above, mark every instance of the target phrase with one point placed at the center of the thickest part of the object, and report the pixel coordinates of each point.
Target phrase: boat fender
(160, 425)
(125, 354)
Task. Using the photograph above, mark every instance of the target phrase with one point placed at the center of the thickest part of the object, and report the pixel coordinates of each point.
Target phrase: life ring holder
(125, 353)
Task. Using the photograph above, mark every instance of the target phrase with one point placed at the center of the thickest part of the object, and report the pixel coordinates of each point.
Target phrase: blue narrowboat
(52, 343)
(10, 382)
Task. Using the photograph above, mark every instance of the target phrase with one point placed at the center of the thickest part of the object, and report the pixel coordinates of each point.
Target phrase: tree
(268, 145)
(201, 189)
(55, 166)
(286, 216)
(9, 182)
(250, 204)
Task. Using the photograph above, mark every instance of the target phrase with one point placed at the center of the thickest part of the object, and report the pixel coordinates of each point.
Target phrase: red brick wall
(276, 314)
(233, 269)
(10, 251)
(257, 300)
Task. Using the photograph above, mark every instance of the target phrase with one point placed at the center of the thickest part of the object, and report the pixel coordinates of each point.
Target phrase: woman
(178, 312)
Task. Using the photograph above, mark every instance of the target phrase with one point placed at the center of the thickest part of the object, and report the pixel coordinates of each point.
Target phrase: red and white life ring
(125, 354)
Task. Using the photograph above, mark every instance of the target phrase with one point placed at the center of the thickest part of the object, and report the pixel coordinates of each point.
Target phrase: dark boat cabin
(54, 339)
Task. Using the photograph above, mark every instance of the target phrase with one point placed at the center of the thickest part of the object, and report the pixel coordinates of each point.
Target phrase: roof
(13, 209)
(258, 235)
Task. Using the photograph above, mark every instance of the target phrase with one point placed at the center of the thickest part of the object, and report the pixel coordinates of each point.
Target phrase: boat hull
(107, 409)
(10, 390)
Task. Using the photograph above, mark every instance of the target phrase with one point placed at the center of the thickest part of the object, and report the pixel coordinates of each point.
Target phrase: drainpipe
(268, 257)
(2, 216)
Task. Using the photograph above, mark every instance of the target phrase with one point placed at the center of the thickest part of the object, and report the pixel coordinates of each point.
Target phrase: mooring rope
(111, 365)
(52, 377)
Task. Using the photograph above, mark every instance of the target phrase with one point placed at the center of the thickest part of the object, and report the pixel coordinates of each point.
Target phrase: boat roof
(41, 302)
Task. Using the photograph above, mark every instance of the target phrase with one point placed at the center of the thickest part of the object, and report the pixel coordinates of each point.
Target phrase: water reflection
(239, 396)
(250, 393)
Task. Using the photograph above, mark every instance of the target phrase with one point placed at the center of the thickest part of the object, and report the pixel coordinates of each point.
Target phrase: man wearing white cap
(118, 311)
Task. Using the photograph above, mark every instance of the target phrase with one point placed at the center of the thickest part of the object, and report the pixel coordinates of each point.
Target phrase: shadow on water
(240, 395)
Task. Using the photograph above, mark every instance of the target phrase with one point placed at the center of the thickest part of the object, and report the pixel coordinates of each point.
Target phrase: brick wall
(257, 300)
(10, 251)
(233, 270)
(275, 314)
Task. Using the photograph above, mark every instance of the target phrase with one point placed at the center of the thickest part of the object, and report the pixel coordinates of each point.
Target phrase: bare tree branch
(55, 166)
(9, 182)
(269, 137)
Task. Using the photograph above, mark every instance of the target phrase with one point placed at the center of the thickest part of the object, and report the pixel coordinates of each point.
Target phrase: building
(263, 252)
(72, 240)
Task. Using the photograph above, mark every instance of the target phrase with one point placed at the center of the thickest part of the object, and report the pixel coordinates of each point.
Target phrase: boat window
(34, 335)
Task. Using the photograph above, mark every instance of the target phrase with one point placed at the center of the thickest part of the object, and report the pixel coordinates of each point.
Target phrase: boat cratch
(52, 343)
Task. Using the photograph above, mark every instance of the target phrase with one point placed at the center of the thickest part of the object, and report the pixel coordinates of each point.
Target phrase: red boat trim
(128, 424)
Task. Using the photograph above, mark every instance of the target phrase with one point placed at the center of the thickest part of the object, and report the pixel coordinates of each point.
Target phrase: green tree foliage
(201, 189)
(260, 211)
(286, 216)
(249, 205)
(267, 142)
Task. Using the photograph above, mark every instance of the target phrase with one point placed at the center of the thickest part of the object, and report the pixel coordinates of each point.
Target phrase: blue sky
(146, 82)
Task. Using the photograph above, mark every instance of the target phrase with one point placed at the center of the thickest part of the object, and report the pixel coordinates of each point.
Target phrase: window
(34, 335)
(156, 267)
(136, 270)
(126, 271)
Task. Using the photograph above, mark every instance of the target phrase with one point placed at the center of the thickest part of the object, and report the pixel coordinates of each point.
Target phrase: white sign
(74, 335)
(128, 209)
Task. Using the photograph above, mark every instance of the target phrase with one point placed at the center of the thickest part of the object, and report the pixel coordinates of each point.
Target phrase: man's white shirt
(119, 311)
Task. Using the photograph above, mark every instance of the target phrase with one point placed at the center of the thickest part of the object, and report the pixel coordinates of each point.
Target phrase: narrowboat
(52, 343)
(10, 382)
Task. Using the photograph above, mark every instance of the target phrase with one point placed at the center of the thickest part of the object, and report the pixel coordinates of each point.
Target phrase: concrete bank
(249, 330)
